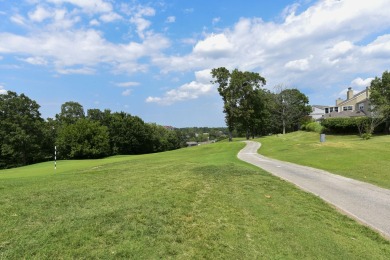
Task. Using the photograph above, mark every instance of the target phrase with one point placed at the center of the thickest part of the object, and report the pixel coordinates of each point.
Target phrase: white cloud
(326, 44)
(39, 14)
(3, 91)
(153, 100)
(92, 6)
(127, 92)
(299, 65)
(170, 19)
(36, 60)
(193, 90)
(380, 47)
(18, 19)
(128, 84)
(139, 21)
(216, 45)
(203, 76)
(84, 48)
(189, 41)
(110, 17)
(94, 22)
(83, 71)
(342, 47)
(362, 82)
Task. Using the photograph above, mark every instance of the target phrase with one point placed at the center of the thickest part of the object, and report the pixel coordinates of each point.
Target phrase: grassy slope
(199, 202)
(350, 156)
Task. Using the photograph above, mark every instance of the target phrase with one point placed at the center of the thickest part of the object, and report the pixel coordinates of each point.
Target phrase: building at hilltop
(355, 105)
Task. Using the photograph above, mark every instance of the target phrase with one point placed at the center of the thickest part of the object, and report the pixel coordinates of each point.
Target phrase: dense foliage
(251, 110)
(350, 125)
(312, 127)
(237, 89)
(380, 97)
(22, 131)
(26, 138)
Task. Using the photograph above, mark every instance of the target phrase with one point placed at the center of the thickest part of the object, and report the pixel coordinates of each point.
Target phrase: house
(317, 112)
(354, 106)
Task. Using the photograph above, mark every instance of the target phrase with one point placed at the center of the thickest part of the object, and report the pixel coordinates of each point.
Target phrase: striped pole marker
(55, 157)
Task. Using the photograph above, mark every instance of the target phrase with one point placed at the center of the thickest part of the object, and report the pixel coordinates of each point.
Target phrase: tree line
(251, 110)
(26, 138)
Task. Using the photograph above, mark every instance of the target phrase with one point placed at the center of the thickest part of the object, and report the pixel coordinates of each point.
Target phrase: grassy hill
(199, 202)
(347, 155)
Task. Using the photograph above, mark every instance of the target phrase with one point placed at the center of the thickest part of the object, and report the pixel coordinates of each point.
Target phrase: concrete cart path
(365, 202)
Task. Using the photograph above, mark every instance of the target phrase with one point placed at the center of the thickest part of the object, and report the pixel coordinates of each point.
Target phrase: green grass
(347, 155)
(194, 203)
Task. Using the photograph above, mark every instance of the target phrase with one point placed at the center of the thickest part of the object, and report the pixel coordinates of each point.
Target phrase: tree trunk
(247, 134)
(230, 136)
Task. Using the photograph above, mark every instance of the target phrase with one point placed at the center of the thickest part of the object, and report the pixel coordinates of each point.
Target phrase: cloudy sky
(153, 58)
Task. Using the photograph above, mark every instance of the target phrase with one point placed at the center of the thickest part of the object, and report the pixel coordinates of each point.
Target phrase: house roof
(354, 97)
(319, 106)
(344, 114)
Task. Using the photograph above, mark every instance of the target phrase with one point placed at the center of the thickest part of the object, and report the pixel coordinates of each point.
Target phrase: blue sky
(153, 58)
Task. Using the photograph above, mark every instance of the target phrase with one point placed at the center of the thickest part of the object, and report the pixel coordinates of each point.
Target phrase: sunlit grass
(198, 202)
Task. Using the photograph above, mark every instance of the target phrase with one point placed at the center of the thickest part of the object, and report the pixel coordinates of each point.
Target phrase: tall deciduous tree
(291, 106)
(84, 139)
(70, 112)
(380, 97)
(128, 134)
(21, 130)
(236, 89)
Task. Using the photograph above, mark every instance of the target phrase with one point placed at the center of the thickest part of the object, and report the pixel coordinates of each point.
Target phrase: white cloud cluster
(58, 41)
(128, 84)
(193, 90)
(3, 91)
(91, 6)
(326, 44)
(140, 21)
(361, 83)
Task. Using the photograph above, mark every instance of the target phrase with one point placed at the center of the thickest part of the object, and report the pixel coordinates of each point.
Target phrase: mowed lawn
(347, 155)
(193, 203)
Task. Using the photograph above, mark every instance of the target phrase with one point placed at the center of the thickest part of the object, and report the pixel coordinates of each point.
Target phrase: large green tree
(128, 134)
(290, 107)
(84, 139)
(380, 97)
(261, 121)
(236, 89)
(70, 112)
(21, 131)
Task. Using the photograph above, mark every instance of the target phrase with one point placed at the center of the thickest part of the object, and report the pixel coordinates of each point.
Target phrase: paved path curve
(365, 202)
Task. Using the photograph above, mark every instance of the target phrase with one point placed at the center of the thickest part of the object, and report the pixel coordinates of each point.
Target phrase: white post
(55, 157)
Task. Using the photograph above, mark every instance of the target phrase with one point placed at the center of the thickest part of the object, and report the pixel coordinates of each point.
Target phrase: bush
(313, 127)
(347, 125)
(366, 136)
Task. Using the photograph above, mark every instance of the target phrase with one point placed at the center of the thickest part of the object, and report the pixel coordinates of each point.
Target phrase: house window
(336, 109)
(347, 108)
(331, 109)
(361, 107)
(326, 110)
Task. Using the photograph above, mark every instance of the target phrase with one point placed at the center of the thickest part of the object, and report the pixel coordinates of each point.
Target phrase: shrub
(347, 125)
(366, 136)
(313, 127)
